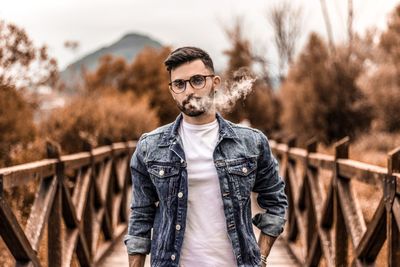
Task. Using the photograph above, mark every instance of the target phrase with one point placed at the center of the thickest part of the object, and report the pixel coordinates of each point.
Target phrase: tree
(382, 82)
(24, 69)
(321, 98)
(260, 105)
(21, 63)
(16, 122)
(286, 22)
(145, 76)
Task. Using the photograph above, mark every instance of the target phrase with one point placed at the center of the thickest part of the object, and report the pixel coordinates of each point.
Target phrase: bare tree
(328, 25)
(286, 22)
(350, 24)
(71, 45)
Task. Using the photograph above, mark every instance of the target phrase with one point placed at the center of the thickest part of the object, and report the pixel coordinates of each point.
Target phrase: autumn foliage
(382, 81)
(98, 119)
(24, 68)
(260, 107)
(145, 76)
(320, 97)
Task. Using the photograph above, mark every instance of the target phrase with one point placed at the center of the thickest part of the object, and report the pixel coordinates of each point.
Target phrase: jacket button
(178, 227)
(182, 161)
(244, 170)
(173, 257)
(180, 194)
(161, 172)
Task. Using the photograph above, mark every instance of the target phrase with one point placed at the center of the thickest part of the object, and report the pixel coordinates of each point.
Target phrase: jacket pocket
(165, 177)
(243, 173)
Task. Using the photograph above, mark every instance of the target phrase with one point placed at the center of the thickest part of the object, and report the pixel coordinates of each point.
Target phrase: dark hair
(187, 54)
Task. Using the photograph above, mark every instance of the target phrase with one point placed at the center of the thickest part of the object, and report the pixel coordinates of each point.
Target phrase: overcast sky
(96, 23)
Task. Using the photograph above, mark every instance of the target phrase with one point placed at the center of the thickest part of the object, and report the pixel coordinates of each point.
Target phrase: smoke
(227, 95)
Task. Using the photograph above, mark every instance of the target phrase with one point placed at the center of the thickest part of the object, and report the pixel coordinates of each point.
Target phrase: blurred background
(78, 72)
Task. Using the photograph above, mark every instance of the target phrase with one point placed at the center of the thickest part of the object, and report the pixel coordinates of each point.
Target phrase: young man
(192, 181)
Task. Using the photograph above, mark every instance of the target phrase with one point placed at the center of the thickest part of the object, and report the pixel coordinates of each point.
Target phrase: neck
(202, 119)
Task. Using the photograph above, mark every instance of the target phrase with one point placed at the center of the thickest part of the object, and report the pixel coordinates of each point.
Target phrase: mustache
(189, 99)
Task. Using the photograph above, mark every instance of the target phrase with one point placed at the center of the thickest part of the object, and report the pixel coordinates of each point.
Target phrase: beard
(195, 106)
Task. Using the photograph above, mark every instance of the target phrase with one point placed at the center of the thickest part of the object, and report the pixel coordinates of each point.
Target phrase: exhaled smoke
(226, 96)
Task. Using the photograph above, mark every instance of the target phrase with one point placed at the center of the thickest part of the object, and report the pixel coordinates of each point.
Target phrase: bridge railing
(82, 203)
(325, 221)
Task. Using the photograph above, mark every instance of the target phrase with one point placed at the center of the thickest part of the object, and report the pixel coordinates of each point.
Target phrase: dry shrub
(382, 82)
(99, 118)
(22, 64)
(145, 76)
(261, 106)
(320, 97)
(16, 123)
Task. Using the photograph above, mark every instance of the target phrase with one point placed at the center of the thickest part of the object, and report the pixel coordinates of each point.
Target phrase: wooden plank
(70, 218)
(372, 241)
(54, 231)
(341, 238)
(102, 153)
(76, 161)
(80, 195)
(363, 172)
(393, 238)
(40, 211)
(21, 174)
(14, 237)
(353, 216)
(316, 197)
(315, 252)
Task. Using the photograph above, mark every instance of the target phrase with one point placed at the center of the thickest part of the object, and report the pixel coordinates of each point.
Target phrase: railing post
(54, 233)
(293, 227)
(341, 240)
(124, 213)
(88, 213)
(311, 147)
(392, 201)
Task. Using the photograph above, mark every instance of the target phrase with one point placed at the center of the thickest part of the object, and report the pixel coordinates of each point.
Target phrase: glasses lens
(198, 81)
(178, 85)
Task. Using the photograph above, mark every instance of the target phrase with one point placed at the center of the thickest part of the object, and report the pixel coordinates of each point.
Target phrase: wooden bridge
(79, 212)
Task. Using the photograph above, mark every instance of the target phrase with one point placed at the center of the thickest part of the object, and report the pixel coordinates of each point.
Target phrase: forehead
(186, 70)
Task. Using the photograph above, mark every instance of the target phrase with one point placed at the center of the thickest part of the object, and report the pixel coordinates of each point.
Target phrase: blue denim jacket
(244, 163)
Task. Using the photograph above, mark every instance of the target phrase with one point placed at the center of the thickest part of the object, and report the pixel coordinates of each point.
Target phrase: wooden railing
(82, 200)
(326, 226)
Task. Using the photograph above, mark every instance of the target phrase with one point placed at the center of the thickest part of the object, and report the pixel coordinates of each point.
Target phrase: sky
(98, 23)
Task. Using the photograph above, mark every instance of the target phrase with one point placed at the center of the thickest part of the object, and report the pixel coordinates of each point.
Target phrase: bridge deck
(279, 256)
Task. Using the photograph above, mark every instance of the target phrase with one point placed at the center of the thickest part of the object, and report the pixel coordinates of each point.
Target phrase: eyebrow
(192, 76)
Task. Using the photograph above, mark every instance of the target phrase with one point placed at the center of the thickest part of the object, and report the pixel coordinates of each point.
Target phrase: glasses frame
(188, 80)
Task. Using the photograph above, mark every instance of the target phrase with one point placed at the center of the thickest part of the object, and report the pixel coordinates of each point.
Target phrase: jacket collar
(171, 133)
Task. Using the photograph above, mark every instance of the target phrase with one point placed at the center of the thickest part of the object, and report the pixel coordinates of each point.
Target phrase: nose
(189, 89)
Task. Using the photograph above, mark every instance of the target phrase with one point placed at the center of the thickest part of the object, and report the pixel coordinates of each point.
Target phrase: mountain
(127, 47)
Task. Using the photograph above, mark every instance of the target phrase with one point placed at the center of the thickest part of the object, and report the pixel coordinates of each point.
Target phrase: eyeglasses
(196, 81)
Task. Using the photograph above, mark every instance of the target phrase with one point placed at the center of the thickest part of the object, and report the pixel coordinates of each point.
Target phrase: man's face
(194, 102)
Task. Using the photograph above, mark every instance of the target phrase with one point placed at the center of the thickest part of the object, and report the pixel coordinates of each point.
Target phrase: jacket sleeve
(143, 207)
(271, 192)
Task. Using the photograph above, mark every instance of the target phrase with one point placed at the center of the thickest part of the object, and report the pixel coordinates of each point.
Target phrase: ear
(216, 81)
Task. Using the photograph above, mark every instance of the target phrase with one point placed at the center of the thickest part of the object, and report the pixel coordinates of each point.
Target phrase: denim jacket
(244, 163)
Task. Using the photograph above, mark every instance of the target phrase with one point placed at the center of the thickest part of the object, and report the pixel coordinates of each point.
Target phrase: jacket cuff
(137, 244)
(269, 224)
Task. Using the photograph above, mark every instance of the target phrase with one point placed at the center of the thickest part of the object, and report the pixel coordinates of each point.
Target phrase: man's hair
(187, 54)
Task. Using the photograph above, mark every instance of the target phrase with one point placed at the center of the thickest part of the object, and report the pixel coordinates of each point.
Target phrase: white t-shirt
(206, 242)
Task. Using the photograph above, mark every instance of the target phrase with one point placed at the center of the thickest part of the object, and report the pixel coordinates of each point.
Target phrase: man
(192, 181)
